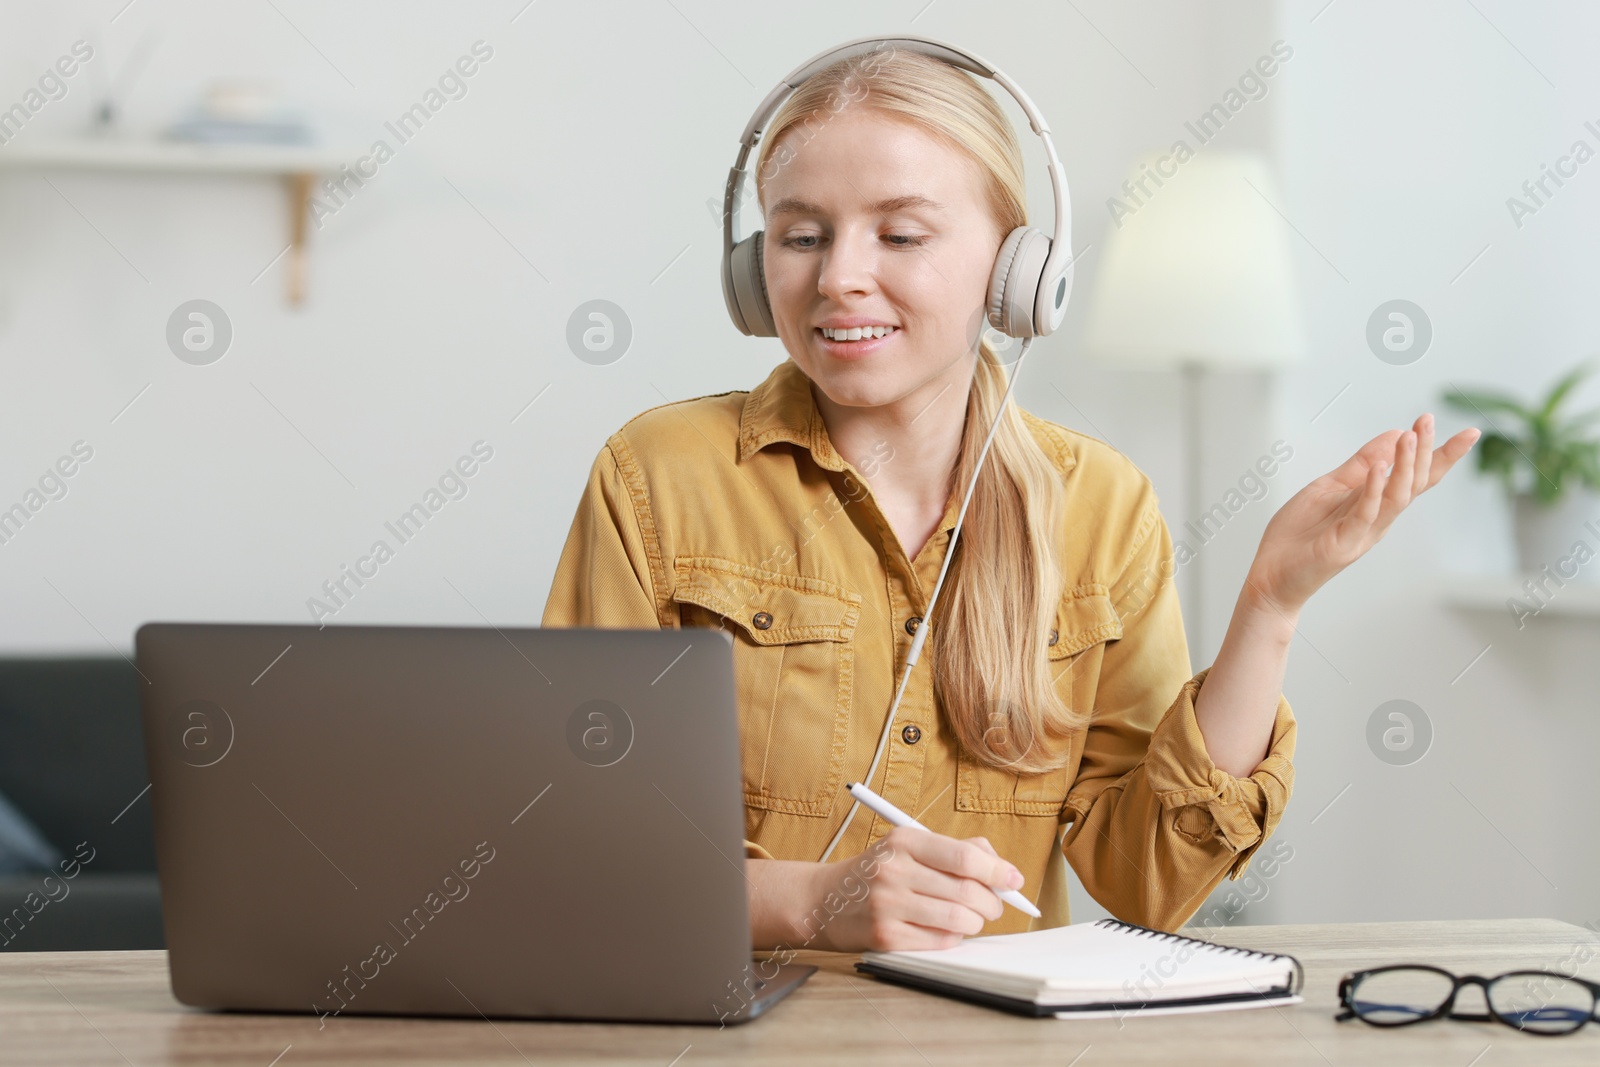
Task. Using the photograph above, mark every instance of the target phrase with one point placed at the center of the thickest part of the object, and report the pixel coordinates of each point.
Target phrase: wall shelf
(1490, 593)
(297, 166)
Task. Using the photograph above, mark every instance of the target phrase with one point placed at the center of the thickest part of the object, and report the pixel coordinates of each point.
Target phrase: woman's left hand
(1332, 522)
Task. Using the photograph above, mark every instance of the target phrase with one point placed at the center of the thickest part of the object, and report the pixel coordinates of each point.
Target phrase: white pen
(900, 818)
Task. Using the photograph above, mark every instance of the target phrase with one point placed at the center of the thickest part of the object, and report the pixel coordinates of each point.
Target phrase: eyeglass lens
(1402, 995)
(1545, 1003)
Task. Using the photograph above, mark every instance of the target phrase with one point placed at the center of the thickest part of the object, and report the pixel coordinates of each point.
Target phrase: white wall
(1404, 128)
(588, 146)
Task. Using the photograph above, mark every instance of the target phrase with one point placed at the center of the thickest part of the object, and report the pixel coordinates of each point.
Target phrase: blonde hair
(991, 668)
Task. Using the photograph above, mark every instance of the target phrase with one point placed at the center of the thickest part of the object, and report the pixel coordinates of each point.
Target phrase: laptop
(467, 821)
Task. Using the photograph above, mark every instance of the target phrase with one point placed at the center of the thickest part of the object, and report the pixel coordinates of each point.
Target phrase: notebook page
(1084, 957)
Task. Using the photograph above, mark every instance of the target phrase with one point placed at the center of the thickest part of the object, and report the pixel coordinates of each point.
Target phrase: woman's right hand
(913, 889)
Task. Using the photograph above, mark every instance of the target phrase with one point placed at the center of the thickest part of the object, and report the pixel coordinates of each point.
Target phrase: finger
(1446, 455)
(1420, 482)
(1397, 494)
(983, 843)
(932, 882)
(960, 858)
(1377, 451)
(1366, 513)
(908, 937)
(962, 911)
(1397, 490)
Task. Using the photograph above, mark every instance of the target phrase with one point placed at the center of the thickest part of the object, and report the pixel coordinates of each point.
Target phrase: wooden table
(116, 1008)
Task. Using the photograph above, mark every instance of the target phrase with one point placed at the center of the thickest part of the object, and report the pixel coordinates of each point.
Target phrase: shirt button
(912, 624)
(763, 620)
(912, 734)
(1053, 637)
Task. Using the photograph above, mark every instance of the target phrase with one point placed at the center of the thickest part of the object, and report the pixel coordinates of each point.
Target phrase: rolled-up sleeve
(606, 577)
(1156, 825)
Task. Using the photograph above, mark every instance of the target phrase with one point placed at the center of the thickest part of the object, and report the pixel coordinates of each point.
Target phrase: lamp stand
(1193, 375)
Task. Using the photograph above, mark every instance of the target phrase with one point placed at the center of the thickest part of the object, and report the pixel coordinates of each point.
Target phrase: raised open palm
(1332, 522)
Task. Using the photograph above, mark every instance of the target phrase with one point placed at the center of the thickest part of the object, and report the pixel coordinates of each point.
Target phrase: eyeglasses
(1535, 1002)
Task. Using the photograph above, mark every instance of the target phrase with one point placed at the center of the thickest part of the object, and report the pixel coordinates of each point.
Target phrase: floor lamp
(1196, 275)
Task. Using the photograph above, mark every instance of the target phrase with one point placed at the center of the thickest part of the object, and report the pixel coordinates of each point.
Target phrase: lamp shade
(1197, 269)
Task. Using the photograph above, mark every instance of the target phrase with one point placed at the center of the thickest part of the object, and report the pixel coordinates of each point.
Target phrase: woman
(809, 517)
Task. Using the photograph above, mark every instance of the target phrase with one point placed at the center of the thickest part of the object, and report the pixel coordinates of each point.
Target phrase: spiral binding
(1162, 935)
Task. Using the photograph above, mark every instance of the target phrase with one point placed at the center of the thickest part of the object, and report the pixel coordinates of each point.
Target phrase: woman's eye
(895, 240)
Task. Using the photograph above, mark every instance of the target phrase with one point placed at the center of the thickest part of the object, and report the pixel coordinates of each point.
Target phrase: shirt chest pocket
(794, 667)
(1085, 622)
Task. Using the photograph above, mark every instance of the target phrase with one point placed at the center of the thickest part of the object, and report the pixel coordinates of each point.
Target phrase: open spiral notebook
(1102, 969)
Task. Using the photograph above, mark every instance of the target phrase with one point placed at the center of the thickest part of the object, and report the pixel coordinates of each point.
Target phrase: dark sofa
(72, 761)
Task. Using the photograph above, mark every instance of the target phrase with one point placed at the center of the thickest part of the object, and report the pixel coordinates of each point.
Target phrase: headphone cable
(922, 631)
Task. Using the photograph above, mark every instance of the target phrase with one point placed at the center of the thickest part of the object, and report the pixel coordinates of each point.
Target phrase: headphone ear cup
(747, 291)
(1014, 284)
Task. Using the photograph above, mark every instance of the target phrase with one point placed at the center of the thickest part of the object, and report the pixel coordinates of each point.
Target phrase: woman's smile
(855, 342)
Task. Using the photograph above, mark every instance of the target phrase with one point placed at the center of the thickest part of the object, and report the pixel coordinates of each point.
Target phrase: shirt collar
(782, 408)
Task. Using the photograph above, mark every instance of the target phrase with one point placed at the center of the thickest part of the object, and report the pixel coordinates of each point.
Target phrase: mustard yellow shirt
(734, 510)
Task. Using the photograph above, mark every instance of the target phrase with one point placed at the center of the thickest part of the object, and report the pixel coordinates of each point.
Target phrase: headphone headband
(1058, 262)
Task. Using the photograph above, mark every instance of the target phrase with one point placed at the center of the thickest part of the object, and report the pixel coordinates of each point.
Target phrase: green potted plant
(1549, 464)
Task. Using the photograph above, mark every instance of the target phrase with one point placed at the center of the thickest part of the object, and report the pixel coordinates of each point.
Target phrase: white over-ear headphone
(1028, 287)
(1032, 274)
